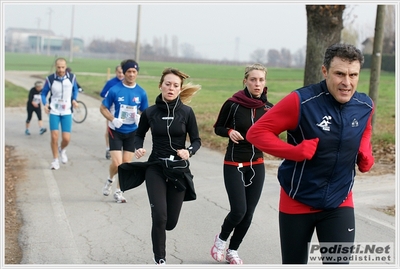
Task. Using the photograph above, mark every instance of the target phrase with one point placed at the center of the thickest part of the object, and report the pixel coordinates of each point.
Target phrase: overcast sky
(217, 31)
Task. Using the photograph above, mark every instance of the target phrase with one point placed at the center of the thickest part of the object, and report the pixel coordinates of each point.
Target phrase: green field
(218, 83)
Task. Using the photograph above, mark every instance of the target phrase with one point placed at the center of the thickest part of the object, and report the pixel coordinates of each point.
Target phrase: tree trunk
(376, 60)
(324, 26)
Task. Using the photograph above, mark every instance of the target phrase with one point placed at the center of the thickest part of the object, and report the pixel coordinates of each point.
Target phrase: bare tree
(389, 35)
(390, 24)
(157, 45)
(324, 26)
(350, 35)
(147, 50)
(165, 47)
(188, 51)
(258, 56)
(299, 57)
(286, 58)
(174, 46)
(274, 57)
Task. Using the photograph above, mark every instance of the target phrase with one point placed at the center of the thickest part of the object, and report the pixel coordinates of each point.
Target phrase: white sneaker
(107, 187)
(63, 153)
(118, 197)
(218, 249)
(232, 257)
(160, 262)
(55, 165)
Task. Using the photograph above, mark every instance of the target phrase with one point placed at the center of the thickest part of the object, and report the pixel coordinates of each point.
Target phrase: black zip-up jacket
(32, 93)
(170, 123)
(241, 117)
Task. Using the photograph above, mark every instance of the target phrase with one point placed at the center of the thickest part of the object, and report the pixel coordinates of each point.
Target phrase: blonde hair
(187, 90)
(252, 67)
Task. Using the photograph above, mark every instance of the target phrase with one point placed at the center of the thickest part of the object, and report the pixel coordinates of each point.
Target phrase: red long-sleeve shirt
(284, 116)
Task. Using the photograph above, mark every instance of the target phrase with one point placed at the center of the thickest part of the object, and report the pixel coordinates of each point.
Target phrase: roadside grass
(218, 83)
(15, 96)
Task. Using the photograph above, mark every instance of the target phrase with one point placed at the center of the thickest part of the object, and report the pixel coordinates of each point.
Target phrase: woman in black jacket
(167, 175)
(244, 169)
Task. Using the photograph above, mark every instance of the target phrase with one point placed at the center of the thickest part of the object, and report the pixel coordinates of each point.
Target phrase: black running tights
(165, 203)
(30, 110)
(296, 231)
(244, 186)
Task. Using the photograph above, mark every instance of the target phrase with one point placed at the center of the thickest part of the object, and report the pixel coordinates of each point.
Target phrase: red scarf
(244, 98)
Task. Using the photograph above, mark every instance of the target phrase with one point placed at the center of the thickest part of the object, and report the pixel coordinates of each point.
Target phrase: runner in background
(121, 107)
(119, 76)
(34, 105)
(63, 91)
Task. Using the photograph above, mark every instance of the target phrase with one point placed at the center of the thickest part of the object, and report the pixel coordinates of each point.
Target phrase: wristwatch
(190, 149)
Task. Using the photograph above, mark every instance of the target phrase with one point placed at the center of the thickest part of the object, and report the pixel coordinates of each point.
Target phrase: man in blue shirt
(121, 108)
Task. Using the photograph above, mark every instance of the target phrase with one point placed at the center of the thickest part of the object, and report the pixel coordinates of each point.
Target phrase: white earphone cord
(251, 159)
(168, 125)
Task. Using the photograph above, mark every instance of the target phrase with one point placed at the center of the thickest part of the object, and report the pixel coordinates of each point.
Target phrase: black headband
(128, 65)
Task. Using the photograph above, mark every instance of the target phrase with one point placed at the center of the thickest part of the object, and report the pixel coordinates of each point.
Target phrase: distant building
(38, 40)
(368, 45)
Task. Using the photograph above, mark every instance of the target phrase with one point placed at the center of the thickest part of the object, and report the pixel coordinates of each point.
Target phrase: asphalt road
(67, 220)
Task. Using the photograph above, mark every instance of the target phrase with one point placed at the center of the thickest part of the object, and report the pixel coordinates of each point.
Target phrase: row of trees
(322, 19)
(279, 58)
(147, 51)
(324, 28)
(272, 57)
(332, 24)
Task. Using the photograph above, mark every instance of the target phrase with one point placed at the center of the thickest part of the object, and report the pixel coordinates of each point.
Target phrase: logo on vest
(324, 124)
(354, 123)
(136, 100)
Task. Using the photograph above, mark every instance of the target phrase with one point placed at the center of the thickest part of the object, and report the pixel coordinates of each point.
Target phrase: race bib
(37, 98)
(127, 114)
(61, 105)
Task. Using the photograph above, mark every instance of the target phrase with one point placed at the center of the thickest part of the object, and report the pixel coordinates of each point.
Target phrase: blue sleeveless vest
(325, 181)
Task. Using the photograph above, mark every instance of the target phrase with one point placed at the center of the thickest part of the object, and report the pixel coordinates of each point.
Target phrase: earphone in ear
(160, 89)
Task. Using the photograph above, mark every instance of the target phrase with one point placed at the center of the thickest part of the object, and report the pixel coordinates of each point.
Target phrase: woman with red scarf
(244, 169)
